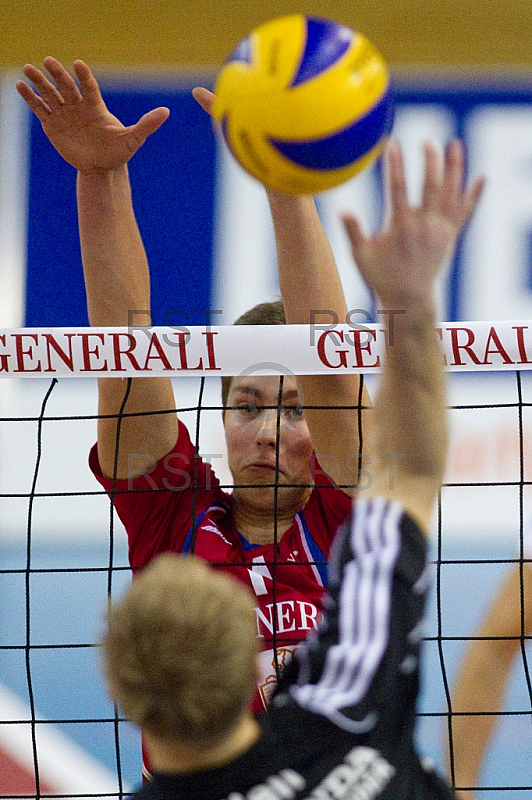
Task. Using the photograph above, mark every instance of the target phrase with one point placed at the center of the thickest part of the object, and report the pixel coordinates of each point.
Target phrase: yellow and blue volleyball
(304, 103)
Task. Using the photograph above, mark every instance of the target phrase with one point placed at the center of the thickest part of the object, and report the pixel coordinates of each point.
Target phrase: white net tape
(257, 349)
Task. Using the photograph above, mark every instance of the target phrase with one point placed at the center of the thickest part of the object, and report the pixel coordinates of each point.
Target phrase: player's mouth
(263, 466)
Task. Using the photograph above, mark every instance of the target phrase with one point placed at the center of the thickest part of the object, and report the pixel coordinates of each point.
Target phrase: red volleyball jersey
(178, 506)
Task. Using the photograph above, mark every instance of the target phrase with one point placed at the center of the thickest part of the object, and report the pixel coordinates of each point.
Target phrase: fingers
(37, 105)
(64, 81)
(458, 203)
(396, 178)
(354, 233)
(464, 201)
(47, 97)
(453, 178)
(50, 97)
(204, 97)
(149, 123)
(473, 196)
(88, 83)
(432, 184)
(443, 191)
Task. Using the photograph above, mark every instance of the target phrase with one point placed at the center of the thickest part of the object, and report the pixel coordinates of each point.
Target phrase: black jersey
(341, 723)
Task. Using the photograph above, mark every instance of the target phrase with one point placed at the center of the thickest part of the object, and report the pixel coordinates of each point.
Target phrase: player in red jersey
(260, 532)
(341, 723)
(160, 521)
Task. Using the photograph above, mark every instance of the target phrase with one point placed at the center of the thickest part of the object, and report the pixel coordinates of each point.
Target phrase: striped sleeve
(376, 565)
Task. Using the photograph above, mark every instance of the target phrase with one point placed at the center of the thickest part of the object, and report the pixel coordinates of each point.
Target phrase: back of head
(263, 314)
(180, 651)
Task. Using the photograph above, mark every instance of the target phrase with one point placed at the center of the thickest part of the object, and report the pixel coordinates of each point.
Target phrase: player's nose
(269, 426)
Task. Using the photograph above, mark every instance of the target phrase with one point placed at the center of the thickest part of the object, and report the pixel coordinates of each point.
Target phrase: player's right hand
(77, 121)
(402, 261)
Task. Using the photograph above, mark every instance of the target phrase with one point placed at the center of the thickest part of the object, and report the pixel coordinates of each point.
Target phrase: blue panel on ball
(344, 147)
(242, 52)
(326, 43)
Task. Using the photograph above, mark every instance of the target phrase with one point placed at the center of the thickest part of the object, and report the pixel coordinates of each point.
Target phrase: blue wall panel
(173, 182)
(173, 179)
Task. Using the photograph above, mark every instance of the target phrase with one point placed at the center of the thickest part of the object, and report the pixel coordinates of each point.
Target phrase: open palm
(77, 121)
(402, 260)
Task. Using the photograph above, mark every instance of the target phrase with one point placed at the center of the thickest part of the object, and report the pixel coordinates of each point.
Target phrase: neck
(258, 525)
(176, 759)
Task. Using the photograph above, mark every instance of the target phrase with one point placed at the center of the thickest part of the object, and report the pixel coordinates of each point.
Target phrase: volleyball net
(64, 552)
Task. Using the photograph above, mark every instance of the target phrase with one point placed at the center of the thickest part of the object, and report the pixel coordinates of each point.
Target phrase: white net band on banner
(254, 349)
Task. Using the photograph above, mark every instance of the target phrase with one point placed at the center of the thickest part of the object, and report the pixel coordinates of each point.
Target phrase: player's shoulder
(327, 506)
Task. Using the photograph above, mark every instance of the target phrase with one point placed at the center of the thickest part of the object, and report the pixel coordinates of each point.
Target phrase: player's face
(255, 432)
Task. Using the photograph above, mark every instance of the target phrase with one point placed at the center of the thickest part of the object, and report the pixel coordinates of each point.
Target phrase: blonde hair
(180, 651)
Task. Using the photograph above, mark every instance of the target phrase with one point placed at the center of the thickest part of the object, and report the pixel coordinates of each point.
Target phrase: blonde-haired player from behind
(174, 683)
(341, 723)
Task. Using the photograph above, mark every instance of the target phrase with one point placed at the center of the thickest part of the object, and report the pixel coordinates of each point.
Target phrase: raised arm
(309, 281)
(408, 443)
(483, 675)
(79, 125)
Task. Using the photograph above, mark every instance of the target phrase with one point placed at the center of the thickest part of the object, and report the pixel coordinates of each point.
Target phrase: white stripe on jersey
(306, 548)
(363, 615)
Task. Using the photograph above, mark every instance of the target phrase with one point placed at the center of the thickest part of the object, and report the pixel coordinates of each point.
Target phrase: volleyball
(304, 103)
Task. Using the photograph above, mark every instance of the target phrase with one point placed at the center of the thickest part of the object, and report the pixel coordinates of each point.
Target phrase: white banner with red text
(249, 349)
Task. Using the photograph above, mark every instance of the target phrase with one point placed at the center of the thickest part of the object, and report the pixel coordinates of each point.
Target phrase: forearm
(308, 276)
(479, 690)
(117, 283)
(411, 405)
(91, 139)
(484, 672)
(310, 283)
(114, 260)
(409, 448)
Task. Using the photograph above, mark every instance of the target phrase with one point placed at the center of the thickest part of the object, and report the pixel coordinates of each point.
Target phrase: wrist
(109, 189)
(415, 305)
(400, 319)
(280, 199)
(103, 176)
